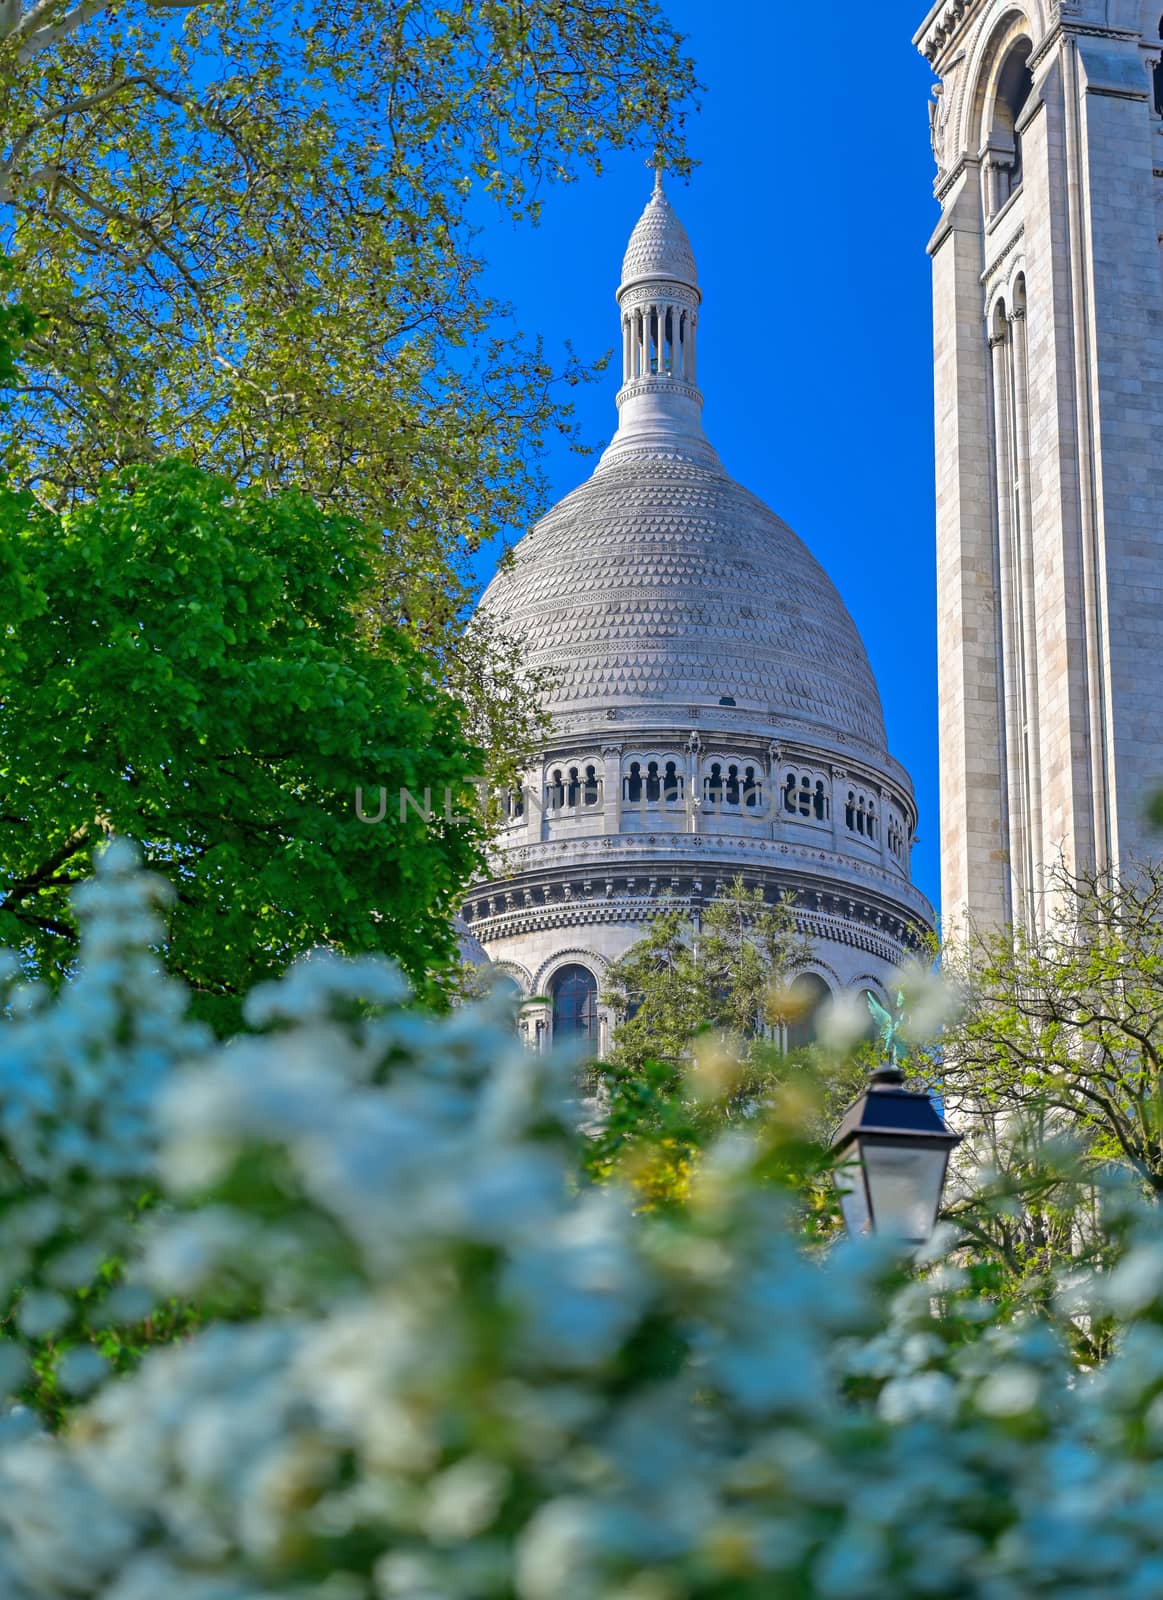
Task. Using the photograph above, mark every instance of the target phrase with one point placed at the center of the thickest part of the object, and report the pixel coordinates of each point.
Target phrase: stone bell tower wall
(1048, 369)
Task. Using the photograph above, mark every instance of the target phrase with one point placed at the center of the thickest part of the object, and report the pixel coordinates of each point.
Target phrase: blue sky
(809, 214)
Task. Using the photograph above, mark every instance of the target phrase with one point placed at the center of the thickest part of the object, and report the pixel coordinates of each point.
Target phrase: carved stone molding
(935, 36)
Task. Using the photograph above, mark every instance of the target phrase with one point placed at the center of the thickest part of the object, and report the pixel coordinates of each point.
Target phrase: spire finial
(659, 191)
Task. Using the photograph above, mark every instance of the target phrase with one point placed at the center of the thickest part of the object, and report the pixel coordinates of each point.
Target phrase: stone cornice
(940, 27)
(655, 381)
(1069, 25)
(886, 942)
(660, 856)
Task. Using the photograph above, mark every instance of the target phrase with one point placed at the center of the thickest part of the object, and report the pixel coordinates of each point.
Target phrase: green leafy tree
(1069, 1021)
(728, 973)
(181, 662)
(1053, 1073)
(699, 1042)
(247, 229)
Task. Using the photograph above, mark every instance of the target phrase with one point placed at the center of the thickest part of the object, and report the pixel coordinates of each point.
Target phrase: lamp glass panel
(904, 1186)
(853, 1197)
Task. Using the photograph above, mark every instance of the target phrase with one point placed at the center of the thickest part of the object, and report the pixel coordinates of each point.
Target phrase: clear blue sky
(809, 214)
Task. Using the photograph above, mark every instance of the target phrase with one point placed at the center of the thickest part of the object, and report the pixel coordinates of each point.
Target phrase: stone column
(612, 789)
(535, 806)
(774, 763)
(839, 783)
(694, 795)
(1025, 580)
(1014, 836)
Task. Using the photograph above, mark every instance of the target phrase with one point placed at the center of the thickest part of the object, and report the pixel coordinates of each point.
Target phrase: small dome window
(727, 700)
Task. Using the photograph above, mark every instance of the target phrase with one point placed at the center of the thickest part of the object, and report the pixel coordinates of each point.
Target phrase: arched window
(573, 792)
(592, 791)
(731, 792)
(789, 794)
(1158, 76)
(820, 801)
(653, 783)
(809, 994)
(634, 783)
(896, 837)
(574, 991)
(752, 789)
(672, 784)
(850, 812)
(713, 785)
(1003, 167)
(556, 791)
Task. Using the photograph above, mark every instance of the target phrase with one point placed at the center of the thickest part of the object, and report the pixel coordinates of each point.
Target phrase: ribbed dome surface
(659, 247)
(661, 581)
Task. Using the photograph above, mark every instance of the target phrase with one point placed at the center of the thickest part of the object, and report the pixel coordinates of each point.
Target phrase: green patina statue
(890, 1027)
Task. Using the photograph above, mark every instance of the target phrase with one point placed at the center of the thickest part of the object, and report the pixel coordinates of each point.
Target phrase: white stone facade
(1048, 355)
(714, 713)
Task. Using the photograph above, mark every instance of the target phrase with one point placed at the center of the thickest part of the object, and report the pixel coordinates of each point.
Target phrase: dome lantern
(659, 298)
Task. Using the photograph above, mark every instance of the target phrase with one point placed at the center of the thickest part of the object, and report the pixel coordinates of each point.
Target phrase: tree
(1052, 1072)
(247, 230)
(1069, 1021)
(181, 663)
(698, 1041)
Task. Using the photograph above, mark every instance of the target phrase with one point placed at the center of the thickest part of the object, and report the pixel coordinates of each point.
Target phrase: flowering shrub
(442, 1367)
(78, 1079)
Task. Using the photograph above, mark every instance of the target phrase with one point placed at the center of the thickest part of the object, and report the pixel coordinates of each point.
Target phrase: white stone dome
(662, 581)
(712, 712)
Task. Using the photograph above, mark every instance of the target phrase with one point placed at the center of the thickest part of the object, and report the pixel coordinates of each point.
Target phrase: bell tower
(1047, 127)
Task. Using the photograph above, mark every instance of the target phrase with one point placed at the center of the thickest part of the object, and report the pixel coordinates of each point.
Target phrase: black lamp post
(894, 1149)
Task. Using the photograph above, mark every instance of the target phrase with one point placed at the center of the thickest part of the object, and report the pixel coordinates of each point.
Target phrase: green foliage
(1053, 1071)
(1068, 1022)
(727, 974)
(700, 1045)
(247, 230)
(181, 663)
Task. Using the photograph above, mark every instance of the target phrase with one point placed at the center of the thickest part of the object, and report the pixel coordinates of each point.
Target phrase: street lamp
(893, 1147)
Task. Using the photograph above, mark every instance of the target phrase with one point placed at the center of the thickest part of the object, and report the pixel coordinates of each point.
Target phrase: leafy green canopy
(725, 974)
(1054, 1072)
(181, 663)
(247, 231)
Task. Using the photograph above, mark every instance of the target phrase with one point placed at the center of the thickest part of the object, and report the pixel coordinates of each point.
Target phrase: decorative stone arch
(809, 798)
(726, 773)
(819, 976)
(653, 776)
(1001, 29)
(597, 967)
(519, 974)
(816, 966)
(1008, 293)
(567, 958)
(571, 793)
(869, 980)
